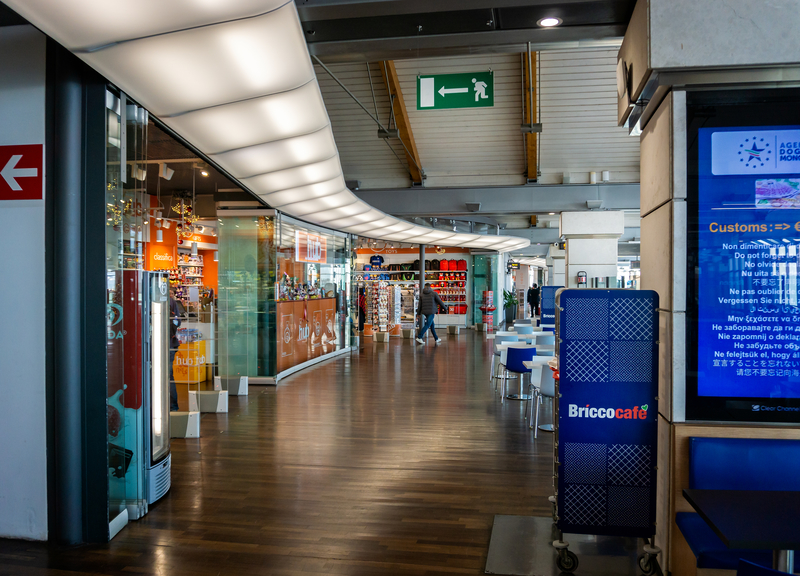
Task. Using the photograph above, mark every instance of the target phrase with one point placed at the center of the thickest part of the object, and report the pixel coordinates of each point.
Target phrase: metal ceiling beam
(494, 41)
(339, 9)
(531, 199)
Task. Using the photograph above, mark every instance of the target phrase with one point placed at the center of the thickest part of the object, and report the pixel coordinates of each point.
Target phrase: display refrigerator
(138, 389)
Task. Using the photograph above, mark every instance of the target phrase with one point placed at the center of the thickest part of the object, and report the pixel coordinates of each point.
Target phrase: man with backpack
(429, 303)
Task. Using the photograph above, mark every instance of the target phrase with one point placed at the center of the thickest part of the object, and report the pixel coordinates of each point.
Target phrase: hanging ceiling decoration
(235, 80)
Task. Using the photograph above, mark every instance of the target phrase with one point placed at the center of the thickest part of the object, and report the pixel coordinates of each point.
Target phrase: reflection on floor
(393, 461)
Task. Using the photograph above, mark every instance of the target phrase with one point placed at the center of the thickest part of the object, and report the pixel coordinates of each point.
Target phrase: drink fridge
(138, 389)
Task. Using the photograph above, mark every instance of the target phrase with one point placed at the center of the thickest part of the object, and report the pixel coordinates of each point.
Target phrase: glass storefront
(196, 292)
(485, 278)
(283, 293)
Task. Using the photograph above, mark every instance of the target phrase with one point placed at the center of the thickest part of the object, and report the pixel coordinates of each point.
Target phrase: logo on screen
(756, 408)
(751, 154)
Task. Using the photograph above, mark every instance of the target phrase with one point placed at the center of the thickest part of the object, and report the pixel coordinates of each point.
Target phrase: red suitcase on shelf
(444, 265)
(461, 265)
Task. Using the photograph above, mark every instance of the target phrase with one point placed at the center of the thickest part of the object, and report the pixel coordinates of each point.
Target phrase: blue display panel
(549, 304)
(607, 411)
(748, 239)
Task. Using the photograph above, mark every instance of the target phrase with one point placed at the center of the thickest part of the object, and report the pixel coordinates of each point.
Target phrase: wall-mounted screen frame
(742, 256)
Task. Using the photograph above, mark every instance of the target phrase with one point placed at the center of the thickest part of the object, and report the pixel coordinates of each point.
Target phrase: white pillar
(591, 244)
(556, 266)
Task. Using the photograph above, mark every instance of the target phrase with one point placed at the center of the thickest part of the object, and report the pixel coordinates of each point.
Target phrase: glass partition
(484, 279)
(126, 137)
(313, 289)
(246, 301)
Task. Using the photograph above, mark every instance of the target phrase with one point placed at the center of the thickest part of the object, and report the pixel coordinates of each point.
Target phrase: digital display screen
(746, 310)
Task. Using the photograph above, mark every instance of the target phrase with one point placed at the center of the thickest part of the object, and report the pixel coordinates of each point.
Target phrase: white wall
(23, 451)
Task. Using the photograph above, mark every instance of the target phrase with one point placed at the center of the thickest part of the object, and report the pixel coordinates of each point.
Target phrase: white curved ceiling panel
(280, 155)
(211, 65)
(235, 80)
(303, 193)
(359, 219)
(93, 23)
(329, 202)
(294, 177)
(255, 121)
(343, 212)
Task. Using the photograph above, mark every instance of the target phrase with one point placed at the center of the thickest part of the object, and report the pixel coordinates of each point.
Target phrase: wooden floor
(393, 461)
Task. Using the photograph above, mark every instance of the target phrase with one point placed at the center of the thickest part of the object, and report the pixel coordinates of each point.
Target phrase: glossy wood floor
(393, 461)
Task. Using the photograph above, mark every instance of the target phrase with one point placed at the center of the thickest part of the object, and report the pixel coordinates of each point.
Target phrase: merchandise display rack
(380, 306)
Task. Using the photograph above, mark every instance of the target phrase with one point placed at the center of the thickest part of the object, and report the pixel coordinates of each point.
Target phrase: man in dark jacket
(533, 299)
(429, 303)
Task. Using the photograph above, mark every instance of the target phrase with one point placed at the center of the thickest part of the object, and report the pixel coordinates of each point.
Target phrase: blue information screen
(748, 317)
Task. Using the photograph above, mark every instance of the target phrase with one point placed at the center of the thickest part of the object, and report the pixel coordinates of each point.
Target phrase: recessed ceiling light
(549, 22)
(203, 172)
(552, 213)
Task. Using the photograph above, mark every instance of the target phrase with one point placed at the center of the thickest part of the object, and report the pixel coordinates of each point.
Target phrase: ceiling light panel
(301, 193)
(250, 122)
(359, 207)
(391, 224)
(362, 218)
(212, 65)
(309, 207)
(294, 177)
(91, 23)
(280, 155)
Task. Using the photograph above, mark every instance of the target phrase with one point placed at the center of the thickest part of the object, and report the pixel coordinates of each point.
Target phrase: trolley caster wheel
(647, 564)
(567, 561)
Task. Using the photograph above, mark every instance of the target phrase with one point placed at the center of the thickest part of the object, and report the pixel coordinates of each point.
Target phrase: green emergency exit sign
(470, 90)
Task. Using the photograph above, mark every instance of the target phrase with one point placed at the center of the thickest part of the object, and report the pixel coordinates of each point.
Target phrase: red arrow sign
(21, 172)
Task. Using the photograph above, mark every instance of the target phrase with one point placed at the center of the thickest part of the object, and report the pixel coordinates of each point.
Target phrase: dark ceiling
(369, 30)
(10, 18)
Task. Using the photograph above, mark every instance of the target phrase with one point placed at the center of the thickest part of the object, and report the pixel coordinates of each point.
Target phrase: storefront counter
(306, 330)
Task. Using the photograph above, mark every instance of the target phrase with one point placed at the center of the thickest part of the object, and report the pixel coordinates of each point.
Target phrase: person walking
(429, 303)
(533, 299)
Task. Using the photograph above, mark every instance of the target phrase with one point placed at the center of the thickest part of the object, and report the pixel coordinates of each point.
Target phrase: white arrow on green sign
(468, 90)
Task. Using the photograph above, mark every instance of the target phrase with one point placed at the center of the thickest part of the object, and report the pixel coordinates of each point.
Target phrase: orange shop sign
(310, 247)
(161, 257)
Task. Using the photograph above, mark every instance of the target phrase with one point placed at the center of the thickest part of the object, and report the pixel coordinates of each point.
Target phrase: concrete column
(663, 208)
(556, 265)
(591, 244)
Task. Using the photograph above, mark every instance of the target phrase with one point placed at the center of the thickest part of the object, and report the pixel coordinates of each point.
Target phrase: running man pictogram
(480, 89)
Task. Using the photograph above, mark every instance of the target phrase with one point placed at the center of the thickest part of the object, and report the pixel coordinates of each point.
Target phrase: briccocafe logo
(635, 413)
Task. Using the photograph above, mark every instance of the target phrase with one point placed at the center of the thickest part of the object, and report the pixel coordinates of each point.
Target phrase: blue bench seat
(735, 464)
(710, 551)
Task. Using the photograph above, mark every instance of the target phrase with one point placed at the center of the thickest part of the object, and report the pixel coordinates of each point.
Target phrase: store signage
(748, 301)
(161, 256)
(468, 90)
(21, 172)
(310, 247)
